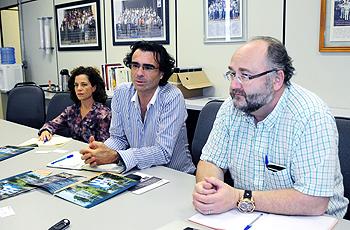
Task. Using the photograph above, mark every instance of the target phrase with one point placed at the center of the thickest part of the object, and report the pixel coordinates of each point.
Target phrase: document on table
(233, 219)
(54, 141)
(73, 161)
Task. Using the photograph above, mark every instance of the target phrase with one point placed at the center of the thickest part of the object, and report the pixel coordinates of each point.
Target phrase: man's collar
(151, 102)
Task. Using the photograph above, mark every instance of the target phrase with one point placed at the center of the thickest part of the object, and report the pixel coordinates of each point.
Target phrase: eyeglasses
(244, 77)
(146, 67)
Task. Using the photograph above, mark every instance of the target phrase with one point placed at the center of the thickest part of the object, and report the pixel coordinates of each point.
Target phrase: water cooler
(10, 75)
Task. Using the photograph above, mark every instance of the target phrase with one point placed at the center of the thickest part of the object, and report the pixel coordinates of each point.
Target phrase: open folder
(73, 161)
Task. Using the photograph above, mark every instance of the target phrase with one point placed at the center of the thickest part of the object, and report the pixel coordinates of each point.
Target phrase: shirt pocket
(277, 180)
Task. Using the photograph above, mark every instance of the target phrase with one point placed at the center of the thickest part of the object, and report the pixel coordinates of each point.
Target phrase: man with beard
(278, 141)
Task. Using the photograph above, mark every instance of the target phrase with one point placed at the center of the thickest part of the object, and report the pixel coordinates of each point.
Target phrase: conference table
(164, 208)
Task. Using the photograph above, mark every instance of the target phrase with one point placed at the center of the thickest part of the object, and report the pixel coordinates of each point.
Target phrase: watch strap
(247, 194)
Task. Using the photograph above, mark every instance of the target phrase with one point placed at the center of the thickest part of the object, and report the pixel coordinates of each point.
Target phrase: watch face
(246, 206)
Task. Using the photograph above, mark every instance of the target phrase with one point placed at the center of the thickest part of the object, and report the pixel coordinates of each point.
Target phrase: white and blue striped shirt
(300, 134)
(161, 139)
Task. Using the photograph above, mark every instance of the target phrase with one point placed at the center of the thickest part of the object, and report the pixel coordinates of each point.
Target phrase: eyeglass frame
(145, 67)
(246, 77)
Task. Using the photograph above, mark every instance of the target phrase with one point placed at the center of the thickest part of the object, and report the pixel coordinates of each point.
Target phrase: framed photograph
(78, 25)
(135, 20)
(335, 26)
(224, 21)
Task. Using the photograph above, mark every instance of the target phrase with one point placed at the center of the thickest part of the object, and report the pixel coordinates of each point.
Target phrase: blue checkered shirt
(161, 139)
(299, 134)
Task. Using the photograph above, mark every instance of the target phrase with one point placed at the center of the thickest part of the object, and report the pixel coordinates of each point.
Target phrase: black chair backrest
(204, 125)
(343, 125)
(26, 105)
(57, 104)
(109, 102)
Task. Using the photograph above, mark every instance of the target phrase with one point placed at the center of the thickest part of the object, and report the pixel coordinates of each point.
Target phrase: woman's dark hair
(165, 61)
(95, 80)
(278, 57)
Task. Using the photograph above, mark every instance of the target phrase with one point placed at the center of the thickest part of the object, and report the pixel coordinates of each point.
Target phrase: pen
(45, 139)
(266, 160)
(67, 157)
(251, 223)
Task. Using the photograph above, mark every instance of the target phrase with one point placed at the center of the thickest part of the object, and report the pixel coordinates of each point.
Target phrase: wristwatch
(246, 203)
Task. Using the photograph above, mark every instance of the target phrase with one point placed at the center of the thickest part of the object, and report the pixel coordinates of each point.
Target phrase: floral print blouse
(96, 122)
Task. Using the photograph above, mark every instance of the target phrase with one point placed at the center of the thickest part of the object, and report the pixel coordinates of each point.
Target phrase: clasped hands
(213, 196)
(98, 153)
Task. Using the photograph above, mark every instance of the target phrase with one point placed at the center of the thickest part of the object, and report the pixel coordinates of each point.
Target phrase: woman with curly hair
(88, 116)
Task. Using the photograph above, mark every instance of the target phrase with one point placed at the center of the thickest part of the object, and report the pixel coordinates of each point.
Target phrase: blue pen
(67, 157)
(266, 160)
(45, 139)
(251, 223)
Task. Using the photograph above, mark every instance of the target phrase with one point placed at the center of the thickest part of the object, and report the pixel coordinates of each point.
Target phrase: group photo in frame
(78, 25)
(224, 21)
(135, 20)
(335, 26)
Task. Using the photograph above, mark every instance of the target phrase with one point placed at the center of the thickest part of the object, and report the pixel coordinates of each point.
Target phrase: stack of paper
(73, 161)
(234, 219)
(54, 141)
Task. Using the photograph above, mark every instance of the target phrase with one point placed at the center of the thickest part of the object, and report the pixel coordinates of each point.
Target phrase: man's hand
(214, 196)
(98, 153)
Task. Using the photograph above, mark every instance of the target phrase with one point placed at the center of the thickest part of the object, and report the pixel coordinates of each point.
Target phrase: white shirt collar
(151, 102)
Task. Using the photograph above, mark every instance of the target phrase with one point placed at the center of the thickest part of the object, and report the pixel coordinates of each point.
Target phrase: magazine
(12, 186)
(56, 182)
(147, 183)
(11, 151)
(97, 189)
(73, 161)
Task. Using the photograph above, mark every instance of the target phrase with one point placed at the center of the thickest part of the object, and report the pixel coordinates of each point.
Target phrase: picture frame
(135, 20)
(78, 25)
(334, 26)
(218, 27)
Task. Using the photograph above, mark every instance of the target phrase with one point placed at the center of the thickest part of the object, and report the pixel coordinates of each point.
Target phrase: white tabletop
(167, 207)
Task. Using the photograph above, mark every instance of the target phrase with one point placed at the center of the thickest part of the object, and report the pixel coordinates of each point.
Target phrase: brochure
(11, 151)
(97, 189)
(147, 183)
(73, 161)
(56, 182)
(12, 186)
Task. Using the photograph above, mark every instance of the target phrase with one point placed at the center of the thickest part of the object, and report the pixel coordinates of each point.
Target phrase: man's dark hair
(278, 57)
(165, 61)
(94, 78)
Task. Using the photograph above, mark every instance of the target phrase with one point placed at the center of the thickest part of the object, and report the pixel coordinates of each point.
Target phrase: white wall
(324, 73)
(214, 58)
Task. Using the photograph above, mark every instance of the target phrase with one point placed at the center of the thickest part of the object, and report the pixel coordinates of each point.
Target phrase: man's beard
(255, 101)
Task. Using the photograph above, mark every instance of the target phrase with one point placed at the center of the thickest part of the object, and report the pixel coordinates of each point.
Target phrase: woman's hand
(45, 136)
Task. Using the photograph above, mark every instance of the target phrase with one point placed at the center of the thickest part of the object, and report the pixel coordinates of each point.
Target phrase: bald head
(267, 51)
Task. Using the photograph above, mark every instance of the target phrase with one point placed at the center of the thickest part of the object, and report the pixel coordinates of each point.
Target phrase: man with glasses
(278, 141)
(148, 117)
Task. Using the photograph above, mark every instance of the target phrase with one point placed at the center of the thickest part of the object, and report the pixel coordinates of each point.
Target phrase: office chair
(204, 125)
(26, 105)
(109, 103)
(56, 106)
(343, 125)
